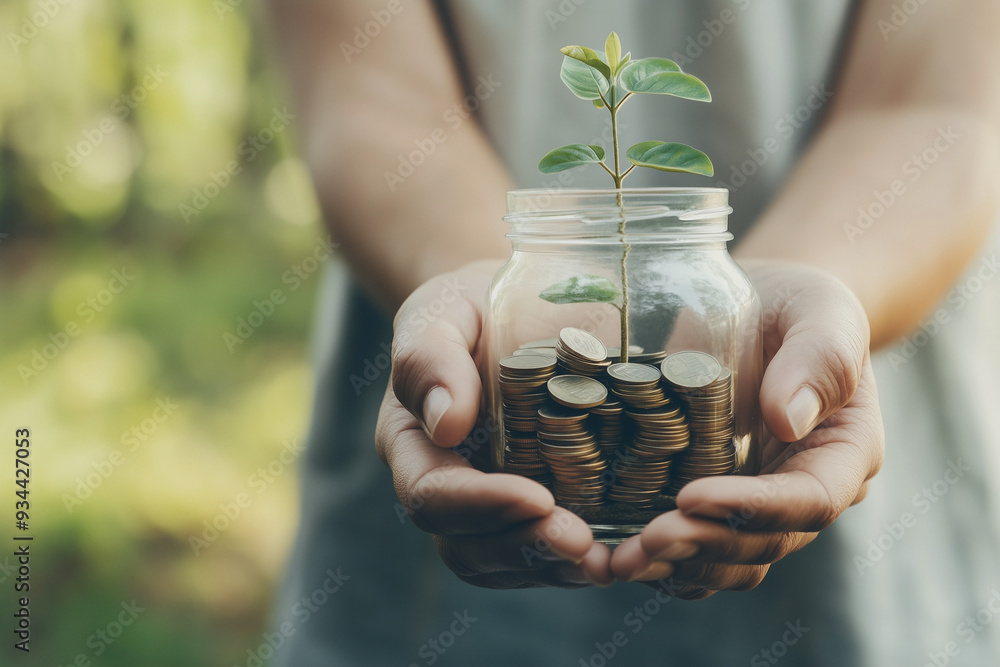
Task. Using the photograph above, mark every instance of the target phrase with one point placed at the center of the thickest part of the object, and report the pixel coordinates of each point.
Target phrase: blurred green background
(118, 122)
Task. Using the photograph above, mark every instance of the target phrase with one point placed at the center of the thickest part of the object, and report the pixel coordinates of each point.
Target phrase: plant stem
(614, 138)
(618, 176)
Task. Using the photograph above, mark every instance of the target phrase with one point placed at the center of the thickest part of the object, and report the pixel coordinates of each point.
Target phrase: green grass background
(161, 337)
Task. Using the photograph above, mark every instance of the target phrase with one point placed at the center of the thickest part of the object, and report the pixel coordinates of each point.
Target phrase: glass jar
(614, 436)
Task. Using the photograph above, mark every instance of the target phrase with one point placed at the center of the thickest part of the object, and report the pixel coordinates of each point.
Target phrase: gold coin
(578, 392)
(634, 374)
(652, 358)
(690, 370)
(615, 353)
(558, 414)
(545, 342)
(520, 364)
(582, 344)
(550, 351)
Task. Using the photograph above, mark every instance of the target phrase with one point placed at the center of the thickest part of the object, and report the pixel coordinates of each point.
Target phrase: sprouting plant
(609, 79)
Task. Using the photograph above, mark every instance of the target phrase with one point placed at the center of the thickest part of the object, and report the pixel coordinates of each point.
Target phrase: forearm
(361, 113)
(446, 214)
(898, 190)
(894, 202)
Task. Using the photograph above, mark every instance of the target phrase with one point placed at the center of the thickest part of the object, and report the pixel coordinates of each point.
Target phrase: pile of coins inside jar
(597, 432)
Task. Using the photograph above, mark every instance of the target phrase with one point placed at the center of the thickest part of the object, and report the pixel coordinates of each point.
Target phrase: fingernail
(708, 510)
(803, 411)
(654, 572)
(678, 551)
(561, 556)
(568, 573)
(549, 556)
(436, 403)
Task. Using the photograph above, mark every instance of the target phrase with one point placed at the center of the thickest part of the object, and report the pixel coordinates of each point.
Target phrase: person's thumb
(433, 373)
(822, 340)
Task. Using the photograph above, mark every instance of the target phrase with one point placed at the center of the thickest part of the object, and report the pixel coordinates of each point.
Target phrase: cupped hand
(825, 442)
(491, 529)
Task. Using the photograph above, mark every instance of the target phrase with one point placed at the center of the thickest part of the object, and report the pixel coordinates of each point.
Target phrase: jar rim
(604, 191)
(700, 212)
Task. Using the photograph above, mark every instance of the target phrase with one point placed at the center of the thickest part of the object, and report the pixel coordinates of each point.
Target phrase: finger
(817, 348)
(596, 565)
(824, 475)
(690, 580)
(674, 588)
(717, 577)
(558, 575)
(862, 494)
(630, 562)
(433, 373)
(807, 499)
(531, 546)
(440, 490)
(674, 538)
(594, 569)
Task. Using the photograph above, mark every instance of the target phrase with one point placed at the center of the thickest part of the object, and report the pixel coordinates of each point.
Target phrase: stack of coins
(540, 344)
(638, 385)
(545, 346)
(549, 351)
(651, 358)
(659, 432)
(571, 451)
(705, 387)
(573, 413)
(615, 353)
(581, 353)
(522, 385)
(608, 423)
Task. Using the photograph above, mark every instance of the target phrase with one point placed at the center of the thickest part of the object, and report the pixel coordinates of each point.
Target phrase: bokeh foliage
(66, 228)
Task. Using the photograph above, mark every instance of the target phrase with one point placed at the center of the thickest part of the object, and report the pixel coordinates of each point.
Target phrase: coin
(598, 432)
(550, 351)
(580, 353)
(609, 425)
(637, 387)
(583, 344)
(545, 342)
(708, 408)
(615, 353)
(522, 382)
(634, 374)
(570, 449)
(578, 392)
(690, 369)
(528, 364)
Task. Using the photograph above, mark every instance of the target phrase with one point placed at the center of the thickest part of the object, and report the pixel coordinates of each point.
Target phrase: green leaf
(613, 52)
(660, 76)
(570, 156)
(624, 61)
(670, 157)
(583, 80)
(587, 57)
(581, 289)
(598, 103)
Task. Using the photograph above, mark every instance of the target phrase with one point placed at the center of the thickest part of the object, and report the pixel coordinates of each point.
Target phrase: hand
(818, 395)
(493, 530)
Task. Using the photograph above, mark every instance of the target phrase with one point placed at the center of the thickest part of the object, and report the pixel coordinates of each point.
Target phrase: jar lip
(673, 190)
(705, 208)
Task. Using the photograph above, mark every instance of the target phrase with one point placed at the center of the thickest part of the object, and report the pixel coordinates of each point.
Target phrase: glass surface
(685, 294)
